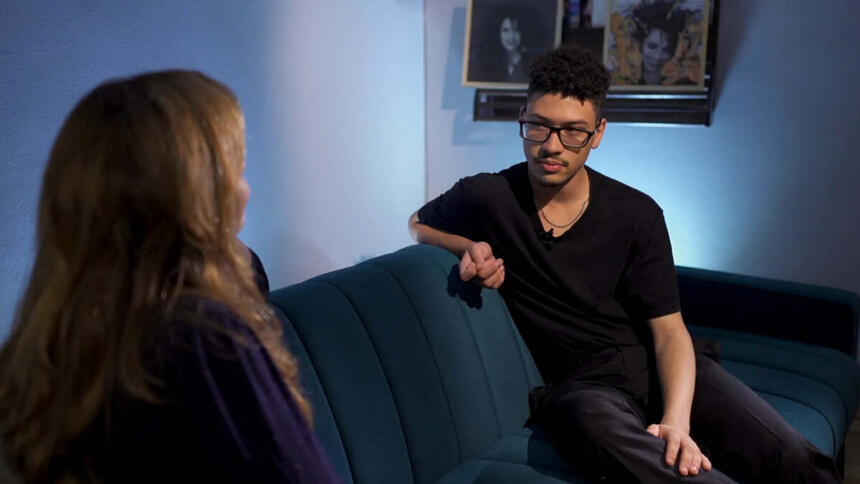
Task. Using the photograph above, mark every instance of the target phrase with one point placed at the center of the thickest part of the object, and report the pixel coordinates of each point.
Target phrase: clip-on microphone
(546, 238)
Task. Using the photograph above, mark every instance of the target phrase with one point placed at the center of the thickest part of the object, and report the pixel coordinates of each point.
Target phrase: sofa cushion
(531, 447)
(419, 370)
(485, 471)
(814, 388)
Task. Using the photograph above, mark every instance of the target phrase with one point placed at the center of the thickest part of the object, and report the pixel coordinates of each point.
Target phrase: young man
(585, 266)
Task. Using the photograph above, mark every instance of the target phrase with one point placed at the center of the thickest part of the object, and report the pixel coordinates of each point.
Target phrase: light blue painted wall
(770, 189)
(332, 92)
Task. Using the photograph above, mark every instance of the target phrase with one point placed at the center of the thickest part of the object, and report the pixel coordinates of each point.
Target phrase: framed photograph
(503, 37)
(657, 44)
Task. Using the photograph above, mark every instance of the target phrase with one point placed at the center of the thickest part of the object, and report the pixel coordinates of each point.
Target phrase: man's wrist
(677, 423)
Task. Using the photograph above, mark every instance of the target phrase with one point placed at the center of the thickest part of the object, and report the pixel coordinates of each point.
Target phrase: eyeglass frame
(557, 131)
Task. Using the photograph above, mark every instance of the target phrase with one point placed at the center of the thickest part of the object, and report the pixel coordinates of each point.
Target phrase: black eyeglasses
(570, 137)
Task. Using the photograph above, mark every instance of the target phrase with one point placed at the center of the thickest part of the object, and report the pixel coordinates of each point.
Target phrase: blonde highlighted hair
(139, 207)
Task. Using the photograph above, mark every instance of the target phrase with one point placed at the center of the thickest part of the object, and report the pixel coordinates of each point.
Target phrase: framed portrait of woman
(504, 36)
(657, 44)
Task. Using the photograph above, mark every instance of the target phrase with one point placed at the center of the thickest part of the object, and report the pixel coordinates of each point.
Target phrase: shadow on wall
(461, 99)
(729, 42)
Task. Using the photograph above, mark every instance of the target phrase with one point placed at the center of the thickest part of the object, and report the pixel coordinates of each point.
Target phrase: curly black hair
(572, 72)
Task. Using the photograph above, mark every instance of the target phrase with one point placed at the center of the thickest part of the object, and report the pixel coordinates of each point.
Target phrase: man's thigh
(601, 430)
(744, 435)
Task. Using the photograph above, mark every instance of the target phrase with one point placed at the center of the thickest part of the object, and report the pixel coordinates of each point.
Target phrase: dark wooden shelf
(682, 107)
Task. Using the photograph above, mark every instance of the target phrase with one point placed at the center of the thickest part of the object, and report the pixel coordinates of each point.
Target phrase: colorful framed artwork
(657, 44)
(504, 36)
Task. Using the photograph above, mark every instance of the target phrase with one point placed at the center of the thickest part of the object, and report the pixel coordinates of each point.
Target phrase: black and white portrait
(504, 36)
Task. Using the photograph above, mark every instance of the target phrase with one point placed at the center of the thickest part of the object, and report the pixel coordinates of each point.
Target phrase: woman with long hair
(144, 348)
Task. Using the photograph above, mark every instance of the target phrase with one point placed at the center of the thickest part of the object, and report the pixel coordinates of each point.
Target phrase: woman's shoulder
(193, 330)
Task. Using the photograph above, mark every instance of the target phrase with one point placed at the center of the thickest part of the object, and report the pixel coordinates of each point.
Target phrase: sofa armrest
(801, 312)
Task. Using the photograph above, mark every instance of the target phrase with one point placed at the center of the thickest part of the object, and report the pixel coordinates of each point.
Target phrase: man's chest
(587, 262)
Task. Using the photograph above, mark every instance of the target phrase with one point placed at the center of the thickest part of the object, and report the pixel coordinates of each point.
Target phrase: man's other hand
(480, 266)
(680, 447)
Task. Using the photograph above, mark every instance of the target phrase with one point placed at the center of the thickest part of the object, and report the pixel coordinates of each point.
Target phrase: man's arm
(477, 262)
(676, 368)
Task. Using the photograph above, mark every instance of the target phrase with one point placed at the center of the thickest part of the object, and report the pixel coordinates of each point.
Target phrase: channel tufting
(842, 371)
(415, 377)
(454, 350)
(510, 419)
(799, 414)
(814, 395)
(382, 365)
(325, 423)
(483, 359)
(352, 375)
(403, 352)
(528, 366)
(435, 358)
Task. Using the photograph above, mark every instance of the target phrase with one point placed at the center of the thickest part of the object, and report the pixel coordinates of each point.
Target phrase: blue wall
(332, 92)
(769, 189)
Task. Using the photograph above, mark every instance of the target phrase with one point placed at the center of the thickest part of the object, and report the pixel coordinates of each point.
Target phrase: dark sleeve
(649, 288)
(452, 210)
(234, 401)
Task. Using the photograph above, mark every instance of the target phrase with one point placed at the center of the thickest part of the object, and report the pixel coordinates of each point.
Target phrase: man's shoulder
(495, 186)
(513, 174)
(620, 194)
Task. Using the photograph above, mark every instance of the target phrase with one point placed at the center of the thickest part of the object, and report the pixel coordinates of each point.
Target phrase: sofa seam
(480, 353)
(836, 439)
(789, 397)
(518, 342)
(435, 360)
(384, 371)
(324, 390)
(781, 347)
(835, 390)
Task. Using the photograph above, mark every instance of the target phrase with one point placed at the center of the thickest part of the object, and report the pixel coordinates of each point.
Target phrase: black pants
(597, 420)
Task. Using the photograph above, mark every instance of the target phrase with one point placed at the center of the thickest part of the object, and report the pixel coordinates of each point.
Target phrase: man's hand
(479, 266)
(678, 441)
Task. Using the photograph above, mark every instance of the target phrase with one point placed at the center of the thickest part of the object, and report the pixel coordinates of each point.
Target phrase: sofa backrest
(409, 370)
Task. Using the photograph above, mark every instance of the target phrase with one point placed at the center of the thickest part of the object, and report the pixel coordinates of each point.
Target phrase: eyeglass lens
(540, 133)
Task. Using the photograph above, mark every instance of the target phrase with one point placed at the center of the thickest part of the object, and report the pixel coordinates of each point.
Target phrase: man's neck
(574, 191)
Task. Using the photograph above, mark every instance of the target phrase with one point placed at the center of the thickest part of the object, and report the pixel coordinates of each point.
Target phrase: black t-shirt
(593, 287)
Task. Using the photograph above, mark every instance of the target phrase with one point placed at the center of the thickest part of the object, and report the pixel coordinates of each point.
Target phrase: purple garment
(227, 415)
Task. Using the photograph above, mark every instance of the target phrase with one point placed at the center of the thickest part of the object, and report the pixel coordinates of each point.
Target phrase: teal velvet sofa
(417, 377)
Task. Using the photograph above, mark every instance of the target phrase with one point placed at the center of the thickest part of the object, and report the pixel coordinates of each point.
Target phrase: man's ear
(523, 110)
(598, 133)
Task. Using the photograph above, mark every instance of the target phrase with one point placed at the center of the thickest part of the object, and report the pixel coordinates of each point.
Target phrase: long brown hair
(139, 207)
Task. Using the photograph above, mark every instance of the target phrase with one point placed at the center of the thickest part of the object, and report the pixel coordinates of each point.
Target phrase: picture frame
(657, 45)
(504, 36)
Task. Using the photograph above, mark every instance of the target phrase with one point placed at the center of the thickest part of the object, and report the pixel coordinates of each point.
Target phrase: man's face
(551, 163)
